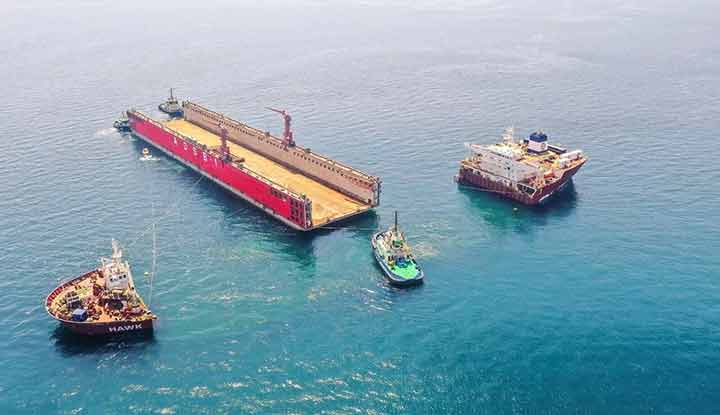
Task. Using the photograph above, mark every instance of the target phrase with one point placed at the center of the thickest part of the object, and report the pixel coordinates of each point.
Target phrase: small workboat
(171, 107)
(394, 256)
(103, 301)
(146, 155)
(122, 124)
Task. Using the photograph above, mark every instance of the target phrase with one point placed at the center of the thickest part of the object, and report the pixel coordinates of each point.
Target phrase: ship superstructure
(301, 188)
(528, 171)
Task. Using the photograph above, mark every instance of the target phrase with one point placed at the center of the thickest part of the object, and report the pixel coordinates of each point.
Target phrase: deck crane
(287, 134)
(224, 149)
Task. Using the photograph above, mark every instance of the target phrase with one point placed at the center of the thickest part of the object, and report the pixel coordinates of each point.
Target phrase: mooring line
(171, 210)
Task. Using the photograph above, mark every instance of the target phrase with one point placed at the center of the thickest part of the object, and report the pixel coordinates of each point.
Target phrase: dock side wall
(340, 177)
(272, 198)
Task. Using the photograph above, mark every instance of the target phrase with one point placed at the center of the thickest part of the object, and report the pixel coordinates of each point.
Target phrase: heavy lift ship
(301, 188)
(528, 171)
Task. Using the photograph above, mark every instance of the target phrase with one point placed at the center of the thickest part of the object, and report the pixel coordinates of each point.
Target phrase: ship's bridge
(118, 281)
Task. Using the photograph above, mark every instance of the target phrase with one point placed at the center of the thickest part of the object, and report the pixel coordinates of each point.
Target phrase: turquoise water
(604, 301)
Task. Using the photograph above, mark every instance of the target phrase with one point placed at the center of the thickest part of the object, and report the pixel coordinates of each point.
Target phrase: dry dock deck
(327, 204)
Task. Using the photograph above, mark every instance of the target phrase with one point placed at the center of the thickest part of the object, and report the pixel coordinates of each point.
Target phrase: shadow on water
(503, 213)
(394, 292)
(71, 344)
(393, 296)
(364, 224)
(242, 218)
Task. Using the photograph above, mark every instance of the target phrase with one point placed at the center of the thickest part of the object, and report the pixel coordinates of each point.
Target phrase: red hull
(476, 178)
(210, 163)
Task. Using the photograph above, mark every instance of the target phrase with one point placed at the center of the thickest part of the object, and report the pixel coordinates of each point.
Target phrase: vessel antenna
(154, 256)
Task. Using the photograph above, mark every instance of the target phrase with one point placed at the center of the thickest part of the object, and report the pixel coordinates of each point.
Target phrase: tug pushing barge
(303, 189)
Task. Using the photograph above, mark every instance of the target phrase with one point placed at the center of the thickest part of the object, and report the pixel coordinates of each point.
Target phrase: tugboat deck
(327, 204)
(83, 286)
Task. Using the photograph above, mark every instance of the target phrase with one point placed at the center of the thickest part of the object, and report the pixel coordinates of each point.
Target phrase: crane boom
(287, 133)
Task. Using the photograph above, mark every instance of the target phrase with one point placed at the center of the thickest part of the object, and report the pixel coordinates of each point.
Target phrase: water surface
(603, 301)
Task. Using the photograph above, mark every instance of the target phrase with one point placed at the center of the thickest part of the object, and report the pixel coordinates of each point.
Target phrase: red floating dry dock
(303, 189)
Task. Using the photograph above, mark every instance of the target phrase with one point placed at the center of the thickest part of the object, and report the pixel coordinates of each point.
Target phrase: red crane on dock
(287, 134)
(224, 149)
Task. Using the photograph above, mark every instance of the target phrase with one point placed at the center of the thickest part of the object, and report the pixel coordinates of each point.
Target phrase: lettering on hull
(227, 174)
(128, 327)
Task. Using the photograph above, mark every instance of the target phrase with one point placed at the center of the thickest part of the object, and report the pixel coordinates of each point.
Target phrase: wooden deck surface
(327, 204)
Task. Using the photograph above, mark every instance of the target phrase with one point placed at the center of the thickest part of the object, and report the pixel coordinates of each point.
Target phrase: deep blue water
(607, 300)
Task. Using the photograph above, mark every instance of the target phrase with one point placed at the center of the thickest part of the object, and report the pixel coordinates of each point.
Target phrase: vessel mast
(117, 253)
(509, 135)
(154, 259)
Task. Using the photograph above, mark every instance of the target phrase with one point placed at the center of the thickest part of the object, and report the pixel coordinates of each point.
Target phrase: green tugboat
(395, 257)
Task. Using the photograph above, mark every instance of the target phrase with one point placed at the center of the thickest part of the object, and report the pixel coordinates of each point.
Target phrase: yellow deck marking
(327, 204)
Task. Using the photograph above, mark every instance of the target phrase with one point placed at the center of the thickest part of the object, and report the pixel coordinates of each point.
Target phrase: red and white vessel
(295, 185)
(101, 302)
(529, 171)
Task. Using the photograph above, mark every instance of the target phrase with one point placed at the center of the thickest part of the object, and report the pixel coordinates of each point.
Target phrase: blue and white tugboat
(122, 124)
(394, 256)
(171, 107)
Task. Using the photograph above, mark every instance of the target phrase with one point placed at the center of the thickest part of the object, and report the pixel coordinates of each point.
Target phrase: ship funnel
(537, 142)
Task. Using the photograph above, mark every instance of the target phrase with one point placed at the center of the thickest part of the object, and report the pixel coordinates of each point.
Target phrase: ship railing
(257, 132)
(244, 168)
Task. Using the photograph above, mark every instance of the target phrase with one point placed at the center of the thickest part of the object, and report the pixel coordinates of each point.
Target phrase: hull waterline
(478, 179)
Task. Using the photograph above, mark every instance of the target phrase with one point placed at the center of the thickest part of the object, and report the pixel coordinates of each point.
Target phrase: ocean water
(605, 301)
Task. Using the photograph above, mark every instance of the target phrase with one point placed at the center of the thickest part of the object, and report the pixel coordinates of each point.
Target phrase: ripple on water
(579, 304)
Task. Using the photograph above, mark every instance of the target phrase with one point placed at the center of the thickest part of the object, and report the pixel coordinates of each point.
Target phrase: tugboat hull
(105, 319)
(105, 329)
(122, 124)
(172, 113)
(122, 127)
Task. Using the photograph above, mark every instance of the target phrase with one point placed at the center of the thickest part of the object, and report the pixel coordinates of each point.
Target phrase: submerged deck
(327, 204)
